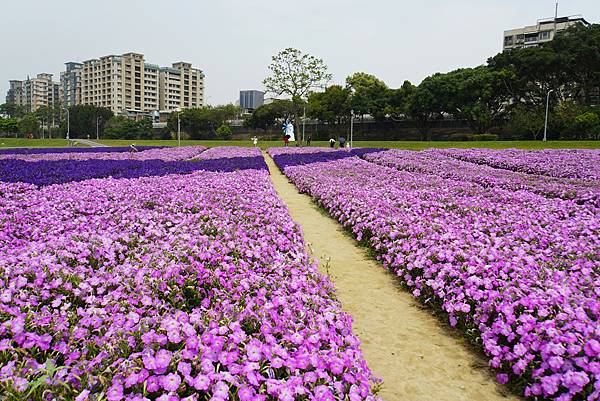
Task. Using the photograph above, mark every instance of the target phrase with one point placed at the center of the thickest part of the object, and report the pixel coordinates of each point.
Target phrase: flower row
(190, 287)
(435, 163)
(518, 272)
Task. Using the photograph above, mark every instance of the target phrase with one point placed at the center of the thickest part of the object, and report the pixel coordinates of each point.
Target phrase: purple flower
(171, 382)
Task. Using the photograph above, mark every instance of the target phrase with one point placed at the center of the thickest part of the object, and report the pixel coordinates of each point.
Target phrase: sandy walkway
(417, 357)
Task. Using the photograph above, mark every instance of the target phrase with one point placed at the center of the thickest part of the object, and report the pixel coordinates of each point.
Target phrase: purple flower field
(504, 258)
(436, 162)
(193, 285)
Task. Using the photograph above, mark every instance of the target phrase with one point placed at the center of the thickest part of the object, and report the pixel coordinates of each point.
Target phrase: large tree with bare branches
(296, 74)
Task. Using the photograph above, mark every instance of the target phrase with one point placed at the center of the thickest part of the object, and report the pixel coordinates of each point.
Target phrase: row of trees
(507, 94)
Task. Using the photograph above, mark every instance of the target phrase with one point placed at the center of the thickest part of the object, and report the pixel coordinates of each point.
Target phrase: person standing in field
(254, 140)
(331, 143)
(286, 140)
(308, 140)
(342, 142)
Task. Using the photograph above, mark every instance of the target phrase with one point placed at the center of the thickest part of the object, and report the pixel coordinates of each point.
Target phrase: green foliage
(9, 125)
(120, 127)
(331, 106)
(268, 115)
(526, 121)
(588, 125)
(370, 95)
(295, 75)
(82, 120)
(202, 123)
(224, 132)
(28, 124)
(12, 110)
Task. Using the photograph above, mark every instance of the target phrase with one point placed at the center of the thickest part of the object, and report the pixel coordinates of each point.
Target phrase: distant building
(181, 87)
(128, 85)
(544, 31)
(251, 99)
(15, 92)
(125, 84)
(34, 93)
(70, 84)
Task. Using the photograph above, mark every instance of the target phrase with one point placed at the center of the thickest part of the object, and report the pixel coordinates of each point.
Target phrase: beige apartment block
(125, 84)
(544, 31)
(115, 82)
(181, 87)
(34, 93)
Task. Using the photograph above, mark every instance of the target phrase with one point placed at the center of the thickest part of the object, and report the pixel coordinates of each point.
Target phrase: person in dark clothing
(308, 140)
(342, 142)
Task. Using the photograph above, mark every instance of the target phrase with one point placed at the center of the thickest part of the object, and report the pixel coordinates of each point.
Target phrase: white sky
(233, 40)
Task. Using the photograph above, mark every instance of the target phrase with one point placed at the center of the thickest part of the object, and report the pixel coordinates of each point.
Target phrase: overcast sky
(233, 40)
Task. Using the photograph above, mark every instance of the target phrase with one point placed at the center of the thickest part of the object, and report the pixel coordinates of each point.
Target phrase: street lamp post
(68, 124)
(97, 128)
(351, 128)
(547, 108)
(303, 124)
(178, 110)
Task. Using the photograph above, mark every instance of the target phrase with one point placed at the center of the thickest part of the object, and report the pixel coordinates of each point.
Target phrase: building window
(508, 40)
(544, 35)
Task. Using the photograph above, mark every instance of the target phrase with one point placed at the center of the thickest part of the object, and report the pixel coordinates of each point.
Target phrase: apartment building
(125, 84)
(70, 84)
(15, 92)
(181, 87)
(34, 93)
(544, 31)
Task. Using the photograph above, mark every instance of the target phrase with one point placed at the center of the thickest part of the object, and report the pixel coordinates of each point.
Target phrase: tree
(28, 124)
(9, 125)
(296, 75)
(424, 106)
(581, 45)
(399, 101)
(332, 105)
(82, 120)
(202, 123)
(224, 132)
(526, 121)
(12, 110)
(120, 127)
(370, 95)
(268, 115)
(587, 125)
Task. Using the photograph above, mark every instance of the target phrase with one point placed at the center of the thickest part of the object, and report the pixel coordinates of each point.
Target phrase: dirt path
(418, 358)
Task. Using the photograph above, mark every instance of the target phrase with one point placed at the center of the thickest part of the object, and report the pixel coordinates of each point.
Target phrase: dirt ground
(418, 357)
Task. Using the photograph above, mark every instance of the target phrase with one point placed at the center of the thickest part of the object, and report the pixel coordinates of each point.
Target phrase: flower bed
(562, 163)
(39, 151)
(435, 163)
(154, 153)
(518, 272)
(168, 161)
(182, 287)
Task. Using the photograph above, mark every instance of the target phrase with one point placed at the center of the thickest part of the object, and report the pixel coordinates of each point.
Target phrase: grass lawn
(413, 145)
